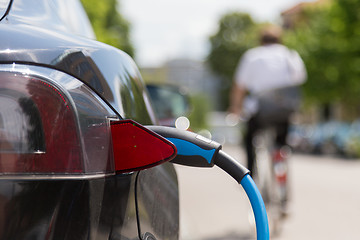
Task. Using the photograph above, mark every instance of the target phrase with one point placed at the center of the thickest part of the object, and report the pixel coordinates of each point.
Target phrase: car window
(58, 15)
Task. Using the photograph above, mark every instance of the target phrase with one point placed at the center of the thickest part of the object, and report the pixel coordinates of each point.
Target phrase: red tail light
(38, 127)
(51, 123)
(136, 147)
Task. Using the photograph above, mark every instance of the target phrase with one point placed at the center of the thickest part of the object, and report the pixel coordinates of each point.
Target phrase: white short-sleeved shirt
(270, 67)
(265, 68)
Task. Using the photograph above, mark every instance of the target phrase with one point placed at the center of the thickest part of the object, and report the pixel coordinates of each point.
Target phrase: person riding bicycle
(265, 88)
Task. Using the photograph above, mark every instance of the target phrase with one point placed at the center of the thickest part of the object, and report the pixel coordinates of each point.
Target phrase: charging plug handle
(197, 151)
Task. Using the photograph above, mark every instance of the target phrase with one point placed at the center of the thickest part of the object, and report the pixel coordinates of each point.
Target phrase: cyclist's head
(270, 34)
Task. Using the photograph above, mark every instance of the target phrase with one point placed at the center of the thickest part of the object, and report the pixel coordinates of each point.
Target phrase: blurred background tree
(236, 34)
(200, 107)
(328, 39)
(109, 25)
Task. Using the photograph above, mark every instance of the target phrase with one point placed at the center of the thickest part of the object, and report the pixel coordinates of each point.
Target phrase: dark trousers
(253, 126)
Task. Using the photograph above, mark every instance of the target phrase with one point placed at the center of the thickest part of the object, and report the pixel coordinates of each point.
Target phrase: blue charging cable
(257, 203)
(242, 176)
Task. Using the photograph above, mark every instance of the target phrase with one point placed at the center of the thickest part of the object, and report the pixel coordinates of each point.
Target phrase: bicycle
(271, 172)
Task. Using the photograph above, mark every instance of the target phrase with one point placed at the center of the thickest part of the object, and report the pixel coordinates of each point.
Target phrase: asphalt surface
(325, 201)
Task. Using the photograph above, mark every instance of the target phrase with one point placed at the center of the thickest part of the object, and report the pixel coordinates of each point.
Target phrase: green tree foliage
(200, 105)
(329, 42)
(236, 34)
(109, 26)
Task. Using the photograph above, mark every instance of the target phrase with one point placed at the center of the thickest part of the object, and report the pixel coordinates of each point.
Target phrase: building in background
(195, 76)
(295, 15)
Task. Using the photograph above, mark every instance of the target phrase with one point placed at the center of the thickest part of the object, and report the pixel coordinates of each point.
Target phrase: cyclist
(265, 88)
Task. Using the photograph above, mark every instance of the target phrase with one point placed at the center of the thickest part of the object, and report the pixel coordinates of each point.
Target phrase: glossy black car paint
(90, 208)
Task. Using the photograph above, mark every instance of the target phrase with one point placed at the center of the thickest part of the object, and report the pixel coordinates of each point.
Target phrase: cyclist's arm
(237, 96)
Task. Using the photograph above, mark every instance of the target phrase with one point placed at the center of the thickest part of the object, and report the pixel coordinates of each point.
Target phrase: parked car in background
(171, 104)
(337, 138)
(60, 93)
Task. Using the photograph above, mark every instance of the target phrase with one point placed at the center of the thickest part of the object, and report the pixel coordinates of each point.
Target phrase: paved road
(325, 201)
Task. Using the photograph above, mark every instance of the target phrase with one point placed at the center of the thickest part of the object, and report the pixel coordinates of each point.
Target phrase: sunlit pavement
(325, 201)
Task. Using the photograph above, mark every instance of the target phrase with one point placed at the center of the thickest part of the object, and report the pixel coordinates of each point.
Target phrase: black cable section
(231, 166)
(137, 205)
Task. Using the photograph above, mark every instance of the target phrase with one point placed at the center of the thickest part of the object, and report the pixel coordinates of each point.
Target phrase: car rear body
(59, 92)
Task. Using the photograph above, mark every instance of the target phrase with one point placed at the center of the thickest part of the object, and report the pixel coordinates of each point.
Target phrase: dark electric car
(66, 171)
